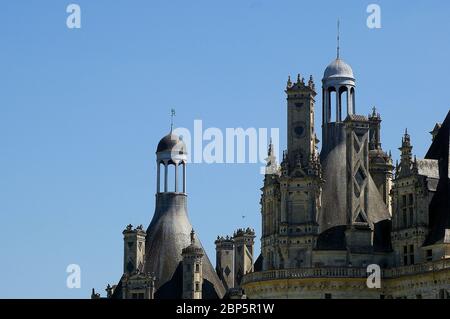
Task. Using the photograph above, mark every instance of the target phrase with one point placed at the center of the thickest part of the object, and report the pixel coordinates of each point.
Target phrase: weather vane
(172, 115)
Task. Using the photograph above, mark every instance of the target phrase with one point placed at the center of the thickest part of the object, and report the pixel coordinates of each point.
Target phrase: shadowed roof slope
(168, 234)
(439, 210)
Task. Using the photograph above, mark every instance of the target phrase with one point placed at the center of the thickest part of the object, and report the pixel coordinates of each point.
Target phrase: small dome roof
(338, 69)
(171, 142)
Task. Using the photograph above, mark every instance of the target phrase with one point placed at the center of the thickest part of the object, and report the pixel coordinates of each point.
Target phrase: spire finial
(289, 82)
(338, 38)
(270, 148)
(192, 236)
(172, 114)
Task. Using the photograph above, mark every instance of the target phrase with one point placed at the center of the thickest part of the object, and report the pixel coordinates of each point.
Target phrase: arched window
(171, 177)
(180, 176)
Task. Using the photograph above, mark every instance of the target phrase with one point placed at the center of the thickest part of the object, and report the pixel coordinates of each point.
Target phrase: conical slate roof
(439, 209)
(168, 234)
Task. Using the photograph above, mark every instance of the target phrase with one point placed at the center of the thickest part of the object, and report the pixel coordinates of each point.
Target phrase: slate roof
(167, 235)
(439, 210)
(356, 117)
(428, 167)
(332, 239)
(338, 68)
(334, 196)
(258, 266)
(171, 142)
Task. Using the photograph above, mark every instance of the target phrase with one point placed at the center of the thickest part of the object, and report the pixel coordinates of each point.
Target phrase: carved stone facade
(225, 261)
(427, 281)
(325, 217)
(192, 270)
(136, 285)
(243, 254)
(167, 261)
(324, 221)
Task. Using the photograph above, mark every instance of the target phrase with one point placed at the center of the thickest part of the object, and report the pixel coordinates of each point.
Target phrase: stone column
(324, 106)
(283, 205)
(166, 173)
(158, 178)
(353, 102)
(176, 177)
(338, 105)
(184, 177)
(327, 106)
(349, 104)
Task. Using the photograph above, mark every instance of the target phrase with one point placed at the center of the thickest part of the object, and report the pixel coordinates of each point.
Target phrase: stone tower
(360, 201)
(225, 260)
(192, 270)
(405, 156)
(380, 163)
(135, 284)
(291, 195)
(338, 83)
(359, 233)
(169, 231)
(301, 135)
(414, 187)
(270, 211)
(244, 240)
(134, 249)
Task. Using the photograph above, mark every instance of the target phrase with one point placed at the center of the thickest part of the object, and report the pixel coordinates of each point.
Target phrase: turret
(134, 249)
(338, 95)
(192, 270)
(406, 155)
(168, 234)
(301, 134)
(225, 260)
(380, 163)
(271, 161)
(244, 240)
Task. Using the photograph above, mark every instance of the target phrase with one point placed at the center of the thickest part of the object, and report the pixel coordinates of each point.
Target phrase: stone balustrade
(343, 272)
(417, 269)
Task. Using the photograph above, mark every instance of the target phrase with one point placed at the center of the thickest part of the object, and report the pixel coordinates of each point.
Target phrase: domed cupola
(338, 100)
(338, 69)
(338, 85)
(338, 82)
(168, 233)
(171, 143)
(172, 155)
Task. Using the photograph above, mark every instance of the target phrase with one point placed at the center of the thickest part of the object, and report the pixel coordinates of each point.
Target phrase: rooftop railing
(343, 272)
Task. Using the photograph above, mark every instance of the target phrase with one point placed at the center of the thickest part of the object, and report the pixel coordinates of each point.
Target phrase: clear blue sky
(81, 112)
